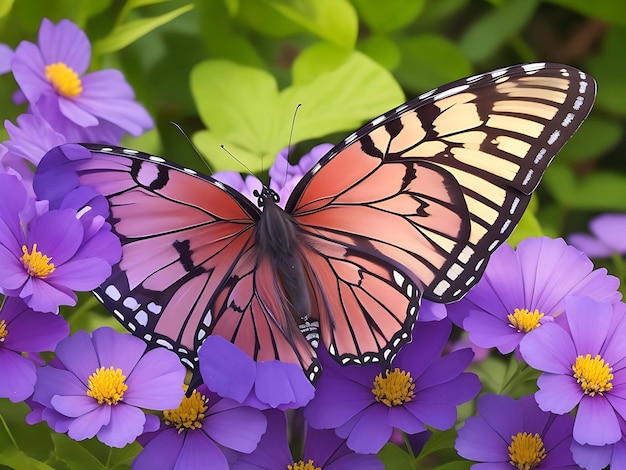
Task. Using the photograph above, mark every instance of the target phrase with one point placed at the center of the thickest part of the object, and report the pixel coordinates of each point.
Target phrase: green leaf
(609, 70)
(388, 16)
(382, 49)
(611, 11)
(486, 35)
(317, 60)
(491, 371)
(335, 21)
(13, 458)
(74, 455)
(126, 34)
(596, 136)
(598, 191)
(393, 457)
(5, 7)
(456, 465)
(244, 110)
(430, 61)
(440, 440)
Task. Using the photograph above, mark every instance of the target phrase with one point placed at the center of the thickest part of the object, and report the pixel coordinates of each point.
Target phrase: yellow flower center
(189, 414)
(303, 466)
(36, 263)
(526, 451)
(524, 321)
(3, 330)
(107, 385)
(395, 388)
(593, 374)
(64, 80)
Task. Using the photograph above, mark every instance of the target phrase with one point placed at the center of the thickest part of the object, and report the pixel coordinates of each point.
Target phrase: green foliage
(233, 72)
(332, 100)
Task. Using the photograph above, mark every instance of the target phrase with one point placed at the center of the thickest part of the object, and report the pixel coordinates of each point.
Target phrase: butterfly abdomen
(276, 241)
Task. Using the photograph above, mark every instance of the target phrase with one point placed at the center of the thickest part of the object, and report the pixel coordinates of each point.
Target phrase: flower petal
(156, 382)
(596, 422)
(125, 425)
(238, 428)
(226, 369)
(558, 393)
(549, 348)
(18, 376)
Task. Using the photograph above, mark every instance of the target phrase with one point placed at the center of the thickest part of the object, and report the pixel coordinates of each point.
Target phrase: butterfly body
(410, 205)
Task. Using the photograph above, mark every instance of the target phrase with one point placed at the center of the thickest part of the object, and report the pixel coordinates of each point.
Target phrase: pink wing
(189, 265)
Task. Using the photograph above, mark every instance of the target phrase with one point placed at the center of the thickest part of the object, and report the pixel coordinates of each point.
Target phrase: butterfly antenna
(195, 149)
(236, 159)
(293, 124)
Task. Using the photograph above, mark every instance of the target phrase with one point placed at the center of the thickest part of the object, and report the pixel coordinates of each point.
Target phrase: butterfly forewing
(495, 133)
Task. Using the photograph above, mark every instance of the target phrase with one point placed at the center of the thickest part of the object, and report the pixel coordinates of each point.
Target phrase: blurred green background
(232, 72)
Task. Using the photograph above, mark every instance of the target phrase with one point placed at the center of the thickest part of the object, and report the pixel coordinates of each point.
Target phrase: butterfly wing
(485, 142)
(189, 264)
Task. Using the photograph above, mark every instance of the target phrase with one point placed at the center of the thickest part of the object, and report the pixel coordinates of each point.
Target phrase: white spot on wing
(441, 287)
(131, 303)
(553, 137)
(112, 292)
(141, 317)
(154, 308)
(378, 120)
(534, 66)
(154, 158)
(399, 278)
(165, 344)
(451, 91)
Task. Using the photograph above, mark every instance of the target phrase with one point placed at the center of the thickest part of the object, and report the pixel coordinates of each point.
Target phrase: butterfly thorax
(277, 243)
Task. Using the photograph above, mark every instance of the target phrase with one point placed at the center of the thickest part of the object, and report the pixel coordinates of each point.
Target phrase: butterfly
(409, 206)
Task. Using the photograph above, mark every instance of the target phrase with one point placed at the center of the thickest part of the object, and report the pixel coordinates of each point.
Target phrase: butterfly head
(265, 195)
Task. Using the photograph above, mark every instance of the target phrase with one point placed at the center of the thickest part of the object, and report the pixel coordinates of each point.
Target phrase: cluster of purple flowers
(98, 384)
(542, 302)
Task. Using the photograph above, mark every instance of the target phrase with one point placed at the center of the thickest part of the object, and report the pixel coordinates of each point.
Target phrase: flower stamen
(524, 321)
(64, 80)
(107, 385)
(189, 414)
(303, 466)
(396, 388)
(3, 330)
(593, 374)
(36, 263)
(526, 451)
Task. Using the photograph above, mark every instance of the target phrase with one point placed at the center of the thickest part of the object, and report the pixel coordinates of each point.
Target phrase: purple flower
(30, 140)
(32, 137)
(6, 54)
(199, 433)
(419, 388)
(516, 434)
(583, 359)
(84, 106)
(231, 373)
(24, 331)
(98, 383)
(283, 176)
(45, 257)
(524, 289)
(607, 239)
(322, 449)
(599, 457)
